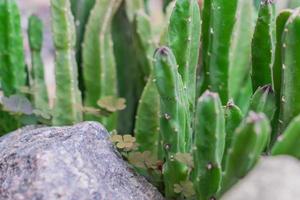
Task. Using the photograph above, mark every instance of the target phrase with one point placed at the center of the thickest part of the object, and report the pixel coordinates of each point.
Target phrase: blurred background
(41, 8)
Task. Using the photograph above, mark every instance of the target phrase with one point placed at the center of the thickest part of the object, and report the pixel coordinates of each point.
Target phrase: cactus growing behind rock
(81, 11)
(38, 85)
(12, 61)
(68, 97)
(174, 122)
(250, 139)
(288, 142)
(98, 59)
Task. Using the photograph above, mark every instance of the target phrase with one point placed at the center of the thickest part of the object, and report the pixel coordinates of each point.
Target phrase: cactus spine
(38, 85)
(263, 45)
(12, 61)
(68, 98)
(250, 138)
(98, 59)
(209, 144)
(174, 123)
(290, 97)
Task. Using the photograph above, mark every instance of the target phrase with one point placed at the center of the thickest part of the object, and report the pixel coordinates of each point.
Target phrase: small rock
(67, 163)
(274, 178)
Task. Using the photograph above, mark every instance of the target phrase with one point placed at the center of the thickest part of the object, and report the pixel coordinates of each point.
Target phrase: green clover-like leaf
(186, 188)
(112, 104)
(185, 158)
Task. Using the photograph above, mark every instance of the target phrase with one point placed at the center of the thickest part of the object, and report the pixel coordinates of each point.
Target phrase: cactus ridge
(12, 60)
(64, 38)
(38, 85)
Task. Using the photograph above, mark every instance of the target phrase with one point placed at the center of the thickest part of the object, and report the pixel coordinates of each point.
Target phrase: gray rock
(67, 163)
(274, 178)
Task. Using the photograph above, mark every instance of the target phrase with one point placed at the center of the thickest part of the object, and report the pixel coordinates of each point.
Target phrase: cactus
(130, 76)
(147, 117)
(290, 97)
(132, 6)
(184, 40)
(144, 41)
(174, 123)
(288, 142)
(209, 144)
(220, 66)
(240, 51)
(277, 67)
(98, 60)
(263, 45)
(12, 61)
(250, 138)
(38, 85)
(264, 101)
(81, 10)
(233, 118)
(68, 97)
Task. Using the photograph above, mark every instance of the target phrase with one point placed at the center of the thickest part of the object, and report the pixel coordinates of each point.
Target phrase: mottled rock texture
(274, 178)
(67, 163)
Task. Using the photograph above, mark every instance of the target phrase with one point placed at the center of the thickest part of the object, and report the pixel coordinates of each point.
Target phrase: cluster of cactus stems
(220, 90)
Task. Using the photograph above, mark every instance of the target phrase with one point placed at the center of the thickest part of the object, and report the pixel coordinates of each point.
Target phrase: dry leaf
(112, 104)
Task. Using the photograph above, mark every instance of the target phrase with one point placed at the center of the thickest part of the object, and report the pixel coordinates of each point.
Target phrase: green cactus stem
(12, 61)
(240, 51)
(222, 71)
(277, 67)
(263, 45)
(289, 142)
(130, 76)
(81, 10)
(290, 96)
(174, 123)
(147, 119)
(38, 85)
(67, 109)
(233, 118)
(264, 101)
(209, 144)
(99, 66)
(184, 40)
(249, 140)
(148, 115)
(144, 41)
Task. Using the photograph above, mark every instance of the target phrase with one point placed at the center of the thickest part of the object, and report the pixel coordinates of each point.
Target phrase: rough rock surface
(276, 178)
(67, 163)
